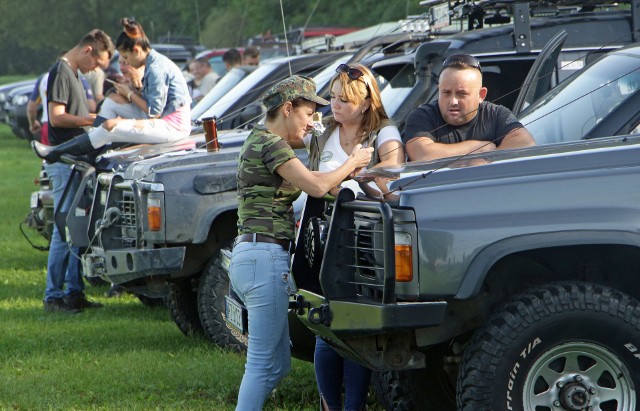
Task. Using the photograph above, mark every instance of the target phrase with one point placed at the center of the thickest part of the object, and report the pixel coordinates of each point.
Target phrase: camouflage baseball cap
(291, 88)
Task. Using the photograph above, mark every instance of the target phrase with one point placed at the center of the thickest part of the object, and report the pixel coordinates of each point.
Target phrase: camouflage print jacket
(264, 198)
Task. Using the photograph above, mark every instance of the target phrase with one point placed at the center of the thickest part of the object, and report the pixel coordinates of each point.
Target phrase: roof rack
(520, 13)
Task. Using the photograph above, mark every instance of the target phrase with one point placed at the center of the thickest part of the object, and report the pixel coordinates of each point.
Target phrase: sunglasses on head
(352, 73)
(458, 59)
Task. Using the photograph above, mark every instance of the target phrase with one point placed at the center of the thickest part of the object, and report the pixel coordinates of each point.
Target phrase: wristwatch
(129, 94)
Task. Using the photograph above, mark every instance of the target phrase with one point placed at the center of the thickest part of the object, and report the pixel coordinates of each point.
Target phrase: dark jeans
(332, 371)
(63, 265)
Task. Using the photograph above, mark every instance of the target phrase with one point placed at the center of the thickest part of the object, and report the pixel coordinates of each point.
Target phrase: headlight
(20, 99)
(3, 97)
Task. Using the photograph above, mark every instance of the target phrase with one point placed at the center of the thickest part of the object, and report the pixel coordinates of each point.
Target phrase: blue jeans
(63, 265)
(260, 276)
(332, 371)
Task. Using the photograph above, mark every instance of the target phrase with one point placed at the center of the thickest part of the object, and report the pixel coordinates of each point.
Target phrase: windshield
(226, 83)
(259, 75)
(327, 73)
(573, 109)
(394, 91)
(247, 84)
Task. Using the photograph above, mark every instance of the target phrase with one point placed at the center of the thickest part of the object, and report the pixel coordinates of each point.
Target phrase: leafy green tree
(33, 32)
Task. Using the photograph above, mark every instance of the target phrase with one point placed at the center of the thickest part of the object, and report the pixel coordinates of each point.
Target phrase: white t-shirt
(42, 90)
(207, 83)
(333, 156)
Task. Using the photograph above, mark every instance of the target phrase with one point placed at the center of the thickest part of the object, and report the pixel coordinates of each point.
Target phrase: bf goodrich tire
(214, 285)
(562, 346)
(183, 307)
(427, 389)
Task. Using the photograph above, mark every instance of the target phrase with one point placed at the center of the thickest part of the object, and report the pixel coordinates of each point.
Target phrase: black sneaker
(80, 302)
(57, 305)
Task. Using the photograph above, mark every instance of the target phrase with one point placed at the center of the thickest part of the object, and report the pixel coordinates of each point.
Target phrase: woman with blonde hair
(358, 118)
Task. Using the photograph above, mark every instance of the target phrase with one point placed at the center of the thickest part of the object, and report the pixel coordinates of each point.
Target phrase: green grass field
(122, 356)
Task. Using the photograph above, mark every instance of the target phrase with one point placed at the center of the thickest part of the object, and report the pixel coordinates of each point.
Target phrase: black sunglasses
(352, 73)
(457, 59)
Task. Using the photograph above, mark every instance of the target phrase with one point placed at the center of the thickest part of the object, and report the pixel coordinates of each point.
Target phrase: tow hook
(320, 315)
(298, 304)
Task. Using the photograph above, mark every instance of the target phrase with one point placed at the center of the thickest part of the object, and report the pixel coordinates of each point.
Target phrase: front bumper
(379, 336)
(127, 265)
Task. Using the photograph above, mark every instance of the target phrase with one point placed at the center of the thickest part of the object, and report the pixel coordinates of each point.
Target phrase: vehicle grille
(368, 257)
(127, 221)
(361, 245)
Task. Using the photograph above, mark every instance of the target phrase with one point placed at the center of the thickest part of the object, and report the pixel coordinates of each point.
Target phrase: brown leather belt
(261, 238)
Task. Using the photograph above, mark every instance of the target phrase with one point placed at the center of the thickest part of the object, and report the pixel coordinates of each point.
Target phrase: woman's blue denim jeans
(332, 371)
(260, 276)
(63, 264)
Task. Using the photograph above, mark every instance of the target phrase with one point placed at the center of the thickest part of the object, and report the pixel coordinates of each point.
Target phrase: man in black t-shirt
(461, 121)
(68, 115)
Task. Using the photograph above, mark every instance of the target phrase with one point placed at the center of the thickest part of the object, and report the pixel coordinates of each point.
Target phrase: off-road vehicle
(505, 281)
(158, 225)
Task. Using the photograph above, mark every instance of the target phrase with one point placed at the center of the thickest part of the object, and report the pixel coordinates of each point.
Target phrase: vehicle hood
(391, 184)
(141, 162)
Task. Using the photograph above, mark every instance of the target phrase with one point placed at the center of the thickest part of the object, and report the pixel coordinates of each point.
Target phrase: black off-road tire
(417, 390)
(573, 344)
(182, 302)
(214, 285)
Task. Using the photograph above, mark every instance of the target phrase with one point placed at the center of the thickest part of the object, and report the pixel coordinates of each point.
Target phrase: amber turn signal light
(154, 213)
(404, 263)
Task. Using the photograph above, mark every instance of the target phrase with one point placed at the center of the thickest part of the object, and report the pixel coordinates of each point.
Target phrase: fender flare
(204, 223)
(487, 257)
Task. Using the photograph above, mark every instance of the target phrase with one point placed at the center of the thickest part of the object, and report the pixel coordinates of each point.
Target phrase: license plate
(237, 317)
(34, 200)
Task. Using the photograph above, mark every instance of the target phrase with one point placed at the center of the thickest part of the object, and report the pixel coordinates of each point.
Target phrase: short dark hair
(251, 51)
(204, 61)
(232, 56)
(99, 41)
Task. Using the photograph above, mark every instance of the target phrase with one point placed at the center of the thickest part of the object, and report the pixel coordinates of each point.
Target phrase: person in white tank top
(358, 118)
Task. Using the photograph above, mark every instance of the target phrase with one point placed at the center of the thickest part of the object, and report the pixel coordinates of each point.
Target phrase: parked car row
(408, 77)
(16, 110)
(13, 107)
(585, 62)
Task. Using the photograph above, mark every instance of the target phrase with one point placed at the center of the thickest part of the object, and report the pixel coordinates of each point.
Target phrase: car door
(538, 80)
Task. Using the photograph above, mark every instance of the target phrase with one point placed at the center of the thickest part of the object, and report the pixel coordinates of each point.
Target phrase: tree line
(34, 32)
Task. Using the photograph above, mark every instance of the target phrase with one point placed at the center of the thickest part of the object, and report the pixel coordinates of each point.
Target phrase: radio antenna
(286, 41)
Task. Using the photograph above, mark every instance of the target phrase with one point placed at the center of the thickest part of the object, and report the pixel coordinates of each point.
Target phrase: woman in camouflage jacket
(270, 178)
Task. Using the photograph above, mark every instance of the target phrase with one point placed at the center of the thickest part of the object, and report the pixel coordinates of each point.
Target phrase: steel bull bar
(341, 316)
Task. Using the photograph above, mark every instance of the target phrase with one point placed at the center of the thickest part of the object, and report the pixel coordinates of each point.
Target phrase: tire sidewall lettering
(513, 374)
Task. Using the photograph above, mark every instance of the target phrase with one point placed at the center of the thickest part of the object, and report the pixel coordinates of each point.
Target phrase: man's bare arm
(59, 118)
(32, 114)
(517, 138)
(424, 148)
